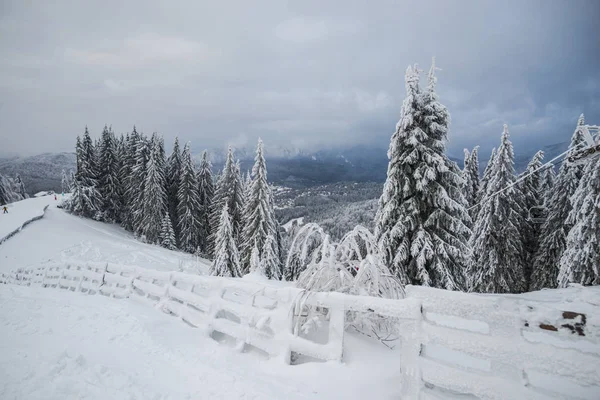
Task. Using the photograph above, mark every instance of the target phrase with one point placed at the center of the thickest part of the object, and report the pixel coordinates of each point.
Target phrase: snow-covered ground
(62, 345)
(57, 344)
(20, 212)
(59, 236)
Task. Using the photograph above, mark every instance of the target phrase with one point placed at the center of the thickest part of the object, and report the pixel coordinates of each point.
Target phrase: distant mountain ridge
(40, 172)
(286, 166)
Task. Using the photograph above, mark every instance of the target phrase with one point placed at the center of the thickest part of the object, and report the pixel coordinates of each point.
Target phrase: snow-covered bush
(324, 273)
(353, 266)
(305, 246)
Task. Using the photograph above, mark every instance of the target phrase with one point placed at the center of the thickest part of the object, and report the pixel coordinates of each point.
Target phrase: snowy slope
(59, 344)
(60, 236)
(21, 212)
(63, 345)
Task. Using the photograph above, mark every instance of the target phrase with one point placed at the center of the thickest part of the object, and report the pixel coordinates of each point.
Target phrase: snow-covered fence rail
(253, 314)
(507, 347)
(486, 346)
(20, 226)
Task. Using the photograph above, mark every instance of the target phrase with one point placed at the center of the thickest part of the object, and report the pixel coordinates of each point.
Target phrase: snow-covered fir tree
(137, 181)
(556, 227)
(259, 226)
(167, 235)
(470, 175)
(127, 178)
(279, 251)
(89, 170)
(256, 267)
(71, 180)
(11, 190)
(78, 153)
(247, 181)
(226, 261)
(188, 209)
(421, 223)
(4, 191)
(547, 184)
(531, 186)
(65, 185)
(122, 153)
(580, 262)
(173, 178)
(20, 187)
(229, 190)
(465, 173)
(206, 192)
(497, 243)
(109, 185)
(486, 176)
(86, 199)
(154, 200)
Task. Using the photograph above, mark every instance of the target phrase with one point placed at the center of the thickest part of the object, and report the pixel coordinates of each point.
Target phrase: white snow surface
(57, 344)
(20, 212)
(61, 345)
(62, 236)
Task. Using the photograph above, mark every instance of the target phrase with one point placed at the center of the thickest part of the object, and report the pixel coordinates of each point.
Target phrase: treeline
(442, 227)
(435, 224)
(167, 201)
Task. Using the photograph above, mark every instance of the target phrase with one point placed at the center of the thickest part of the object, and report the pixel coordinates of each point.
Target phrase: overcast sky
(305, 74)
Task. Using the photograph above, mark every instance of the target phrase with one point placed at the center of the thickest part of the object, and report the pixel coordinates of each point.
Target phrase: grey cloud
(306, 74)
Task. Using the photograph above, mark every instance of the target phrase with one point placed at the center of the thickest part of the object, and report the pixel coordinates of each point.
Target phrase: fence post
(337, 322)
(410, 332)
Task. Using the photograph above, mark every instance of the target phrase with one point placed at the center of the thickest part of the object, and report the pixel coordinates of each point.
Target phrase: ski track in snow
(63, 345)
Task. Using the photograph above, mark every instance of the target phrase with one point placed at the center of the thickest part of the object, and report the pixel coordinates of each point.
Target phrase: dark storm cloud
(302, 74)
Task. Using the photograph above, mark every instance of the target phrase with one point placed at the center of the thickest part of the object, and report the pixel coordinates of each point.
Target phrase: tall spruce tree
(71, 179)
(173, 179)
(226, 261)
(465, 173)
(86, 199)
(580, 262)
(137, 181)
(122, 153)
(109, 185)
(471, 179)
(20, 187)
(497, 243)
(154, 200)
(206, 192)
(188, 209)
(5, 196)
(532, 210)
(89, 171)
(554, 231)
(481, 193)
(229, 190)
(421, 220)
(78, 154)
(547, 184)
(64, 182)
(127, 178)
(259, 226)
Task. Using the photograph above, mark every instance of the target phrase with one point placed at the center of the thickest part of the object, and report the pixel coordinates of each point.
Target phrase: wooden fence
(485, 346)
